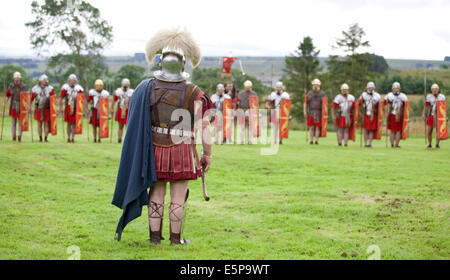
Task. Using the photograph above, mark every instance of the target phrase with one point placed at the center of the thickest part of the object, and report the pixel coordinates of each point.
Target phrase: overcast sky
(409, 29)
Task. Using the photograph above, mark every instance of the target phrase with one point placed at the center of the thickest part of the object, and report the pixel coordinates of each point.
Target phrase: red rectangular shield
(79, 114)
(442, 129)
(354, 126)
(226, 66)
(323, 131)
(285, 111)
(405, 120)
(379, 133)
(53, 117)
(227, 118)
(254, 114)
(24, 104)
(104, 122)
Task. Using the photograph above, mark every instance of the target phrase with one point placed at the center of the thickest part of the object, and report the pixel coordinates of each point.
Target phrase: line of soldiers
(345, 110)
(69, 101)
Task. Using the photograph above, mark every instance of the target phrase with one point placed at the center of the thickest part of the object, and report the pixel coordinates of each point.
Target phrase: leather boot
(175, 239)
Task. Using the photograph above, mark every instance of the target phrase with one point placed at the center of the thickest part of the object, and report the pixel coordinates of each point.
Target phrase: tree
(7, 72)
(300, 69)
(72, 35)
(379, 64)
(132, 72)
(353, 68)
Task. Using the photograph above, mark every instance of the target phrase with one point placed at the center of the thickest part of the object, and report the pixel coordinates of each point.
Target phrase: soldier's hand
(206, 162)
(424, 118)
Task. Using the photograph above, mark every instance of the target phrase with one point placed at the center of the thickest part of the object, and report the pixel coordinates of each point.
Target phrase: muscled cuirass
(165, 100)
(16, 90)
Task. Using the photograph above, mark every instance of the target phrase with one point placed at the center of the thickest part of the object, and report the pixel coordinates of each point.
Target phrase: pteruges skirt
(177, 163)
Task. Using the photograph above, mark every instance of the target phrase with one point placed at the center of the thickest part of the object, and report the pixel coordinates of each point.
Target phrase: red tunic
(12, 111)
(340, 122)
(118, 117)
(68, 118)
(94, 120)
(430, 119)
(393, 124)
(37, 112)
(180, 162)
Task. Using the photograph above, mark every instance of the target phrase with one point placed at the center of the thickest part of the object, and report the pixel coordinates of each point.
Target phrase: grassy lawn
(306, 202)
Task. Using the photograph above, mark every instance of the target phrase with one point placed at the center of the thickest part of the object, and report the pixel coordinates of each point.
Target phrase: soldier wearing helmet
(345, 105)
(69, 93)
(160, 147)
(312, 110)
(429, 114)
(368, 102)
(94, 99)
(396, 104)
(13, 92)
(123, 97)
(41, 94)
(274, 102)
(217, 100)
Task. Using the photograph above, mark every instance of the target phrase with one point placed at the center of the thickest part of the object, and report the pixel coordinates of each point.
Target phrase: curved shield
(324, 128)
(24, 104)
(442, 129)
(53, 117)
(285, 111)
(104, 127)
(354, 126)
(79, 115)
(227, 118)
(379, 133)
(254, 114)
(405, 120)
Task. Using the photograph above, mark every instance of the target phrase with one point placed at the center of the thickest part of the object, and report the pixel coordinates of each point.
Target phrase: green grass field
(306, 202)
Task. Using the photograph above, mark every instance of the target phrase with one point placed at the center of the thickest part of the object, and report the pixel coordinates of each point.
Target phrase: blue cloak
(137, 164)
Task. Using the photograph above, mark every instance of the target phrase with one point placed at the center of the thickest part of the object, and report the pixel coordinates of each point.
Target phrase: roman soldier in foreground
(396, 107)
(41, 93)
(94, 100)
(429, 114)
(312, 111)
(274, 102)
(243, 103)
(123, 96)
(217, 100)
(369, 101)
(171, 110)
(69, 93)
(13, 92)
(345, 103)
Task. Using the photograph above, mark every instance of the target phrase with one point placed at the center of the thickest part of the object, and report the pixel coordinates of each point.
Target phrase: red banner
(442, 129)
(354, 126)
(79, 115)
(379, 133)
(405, 120)
(104, 121)
(227, 118)
(53, 117)
(254, 115)
(24, 104)
(226, 66)
(323, 131)
(285, 111)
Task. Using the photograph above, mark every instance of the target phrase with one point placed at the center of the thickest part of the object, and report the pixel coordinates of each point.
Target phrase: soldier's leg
(120, 132)
(311, 134)
(366, 137)
(46, 129)
(392, 137)
(430, 135)
(398, 136)
(69, 127)
(371, 133)
(340, 134)
(156, 211)
(317, 134)
(178, 198)
(13, 128)
(346, 132)
(39, 125)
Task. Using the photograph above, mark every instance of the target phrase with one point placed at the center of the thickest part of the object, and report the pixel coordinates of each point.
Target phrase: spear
(425, 97)
(30, 117)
